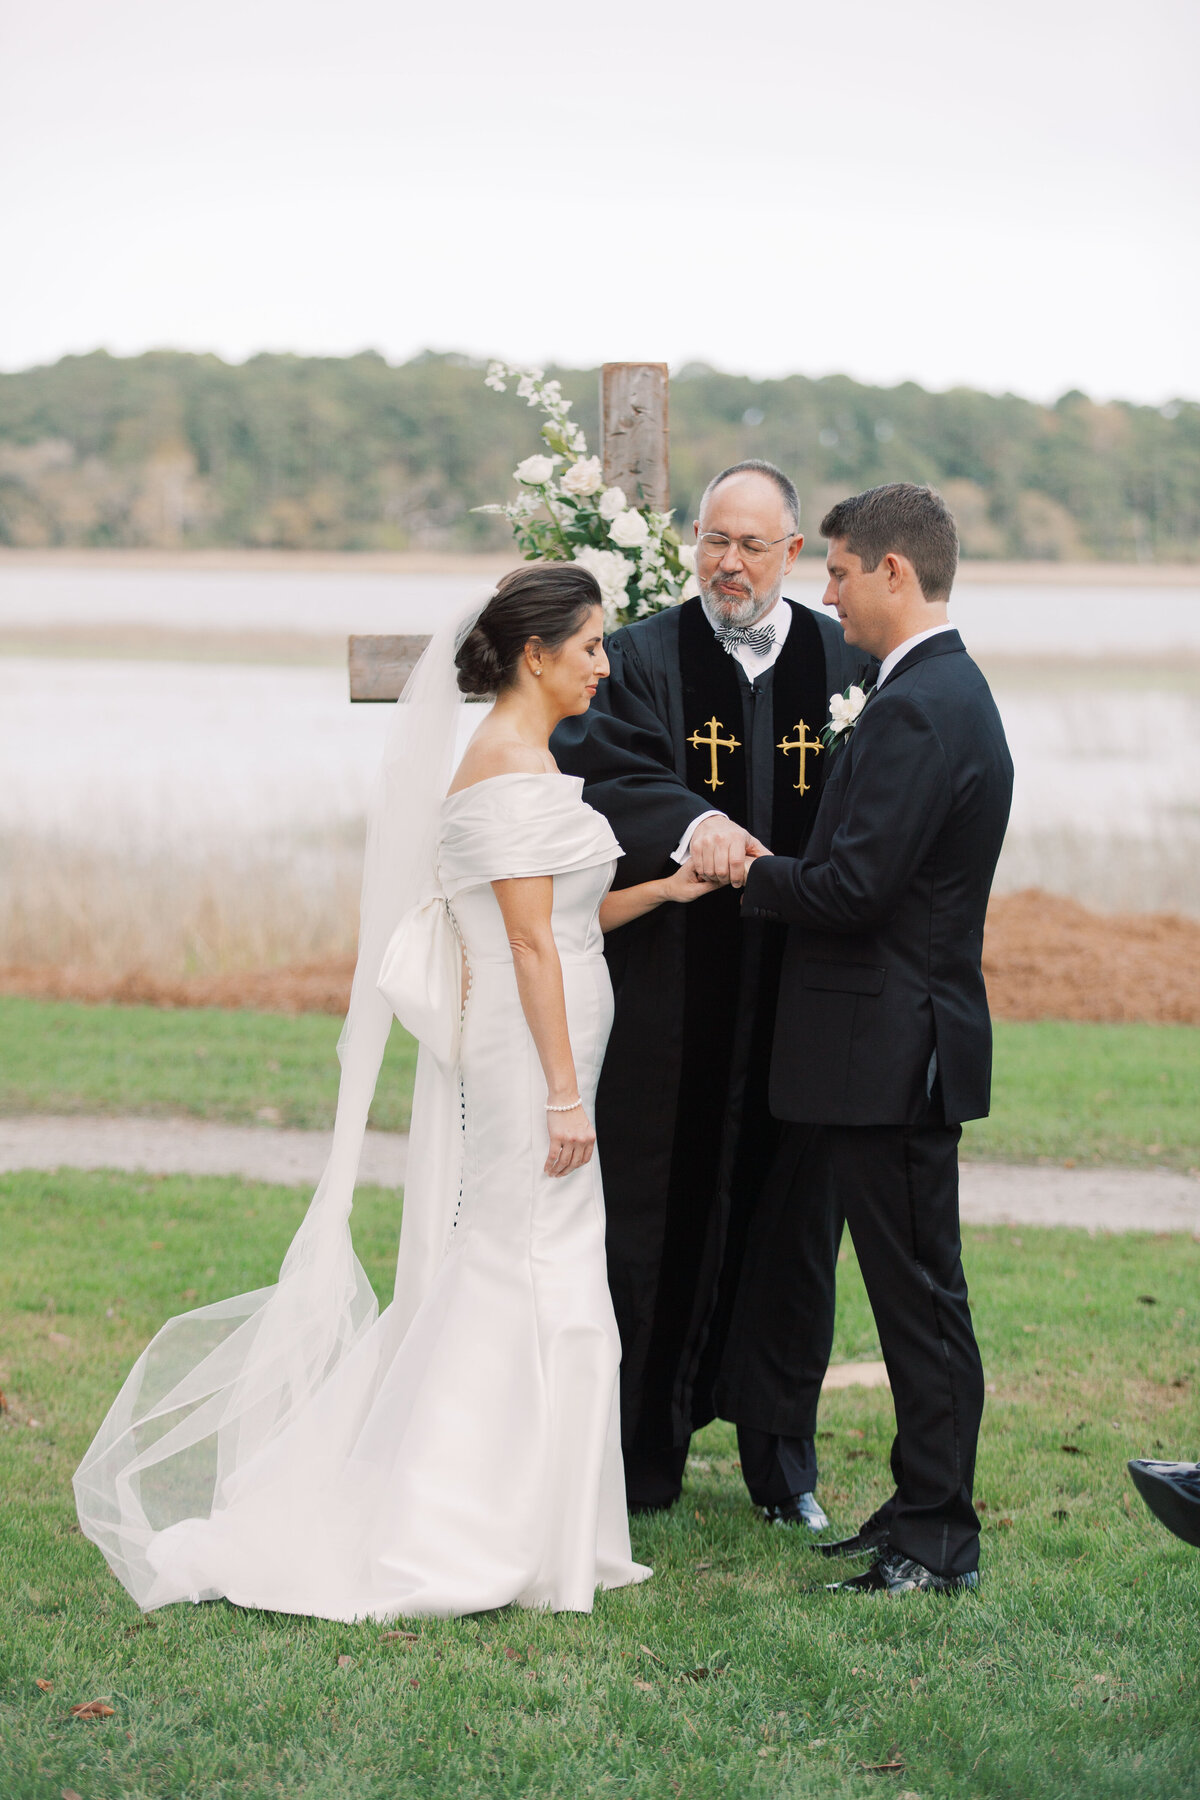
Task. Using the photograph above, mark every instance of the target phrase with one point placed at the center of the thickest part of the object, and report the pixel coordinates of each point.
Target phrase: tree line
(173, 450)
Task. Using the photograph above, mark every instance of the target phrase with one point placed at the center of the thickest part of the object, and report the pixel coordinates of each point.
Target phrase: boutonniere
(845, 710)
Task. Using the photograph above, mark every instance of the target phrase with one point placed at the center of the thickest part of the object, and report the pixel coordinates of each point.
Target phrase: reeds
(289, 900)
(1112, 872)
(217, 909)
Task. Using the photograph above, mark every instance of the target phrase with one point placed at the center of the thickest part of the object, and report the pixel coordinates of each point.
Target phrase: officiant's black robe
(684, 1134)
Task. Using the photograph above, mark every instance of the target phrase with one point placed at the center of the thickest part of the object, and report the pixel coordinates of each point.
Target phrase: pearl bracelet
(569, 1107)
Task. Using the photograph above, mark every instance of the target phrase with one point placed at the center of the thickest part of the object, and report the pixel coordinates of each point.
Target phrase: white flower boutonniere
(844, 713)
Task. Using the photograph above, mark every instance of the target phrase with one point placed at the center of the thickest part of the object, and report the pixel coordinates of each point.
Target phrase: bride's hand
(572, 1140)
(688, 884)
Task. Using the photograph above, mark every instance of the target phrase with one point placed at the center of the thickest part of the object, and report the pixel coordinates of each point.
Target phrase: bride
(288, 1448)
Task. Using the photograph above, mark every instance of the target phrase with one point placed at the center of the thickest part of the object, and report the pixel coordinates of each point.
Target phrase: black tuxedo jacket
(881, 990)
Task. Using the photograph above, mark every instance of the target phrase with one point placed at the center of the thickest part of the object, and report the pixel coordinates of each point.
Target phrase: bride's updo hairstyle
(547, 601)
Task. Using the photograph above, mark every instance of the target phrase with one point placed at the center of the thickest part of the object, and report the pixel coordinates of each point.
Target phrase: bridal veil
(216, 1385)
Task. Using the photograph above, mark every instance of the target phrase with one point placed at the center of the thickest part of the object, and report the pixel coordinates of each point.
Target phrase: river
(1099, 688)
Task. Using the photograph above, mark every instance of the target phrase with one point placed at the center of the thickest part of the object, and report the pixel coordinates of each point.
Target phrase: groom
(702, 741)
(882, 1032)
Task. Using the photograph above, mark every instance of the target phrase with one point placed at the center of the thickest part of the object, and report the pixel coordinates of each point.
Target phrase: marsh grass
(215, 909)
(280, 900)
(732, 1673)
(1110, 871)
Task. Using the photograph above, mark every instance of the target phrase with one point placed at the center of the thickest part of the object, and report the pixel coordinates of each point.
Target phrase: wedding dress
(461, 1451)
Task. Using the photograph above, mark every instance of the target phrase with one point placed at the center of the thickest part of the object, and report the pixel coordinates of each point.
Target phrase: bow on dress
(421, 978)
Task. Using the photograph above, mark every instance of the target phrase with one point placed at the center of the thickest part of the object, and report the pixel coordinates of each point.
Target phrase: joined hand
(722, 851)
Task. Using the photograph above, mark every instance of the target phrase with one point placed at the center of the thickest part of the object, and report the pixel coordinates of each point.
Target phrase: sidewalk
(1096, 1199)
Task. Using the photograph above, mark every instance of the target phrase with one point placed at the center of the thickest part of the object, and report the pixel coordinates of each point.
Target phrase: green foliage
(731, 1673)
(353, 453)
(1110, 1093)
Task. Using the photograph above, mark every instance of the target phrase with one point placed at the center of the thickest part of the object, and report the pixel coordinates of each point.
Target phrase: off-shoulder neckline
(513, 775)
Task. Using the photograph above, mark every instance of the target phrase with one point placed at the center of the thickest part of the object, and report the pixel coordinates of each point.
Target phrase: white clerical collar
(893, 656)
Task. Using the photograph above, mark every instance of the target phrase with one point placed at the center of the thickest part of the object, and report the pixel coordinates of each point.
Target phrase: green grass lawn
(1072, 1673)
(1095, 1093)
(1107, 1093)
(57, 1056)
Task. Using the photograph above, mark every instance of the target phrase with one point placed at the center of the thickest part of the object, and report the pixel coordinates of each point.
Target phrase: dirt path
(189, 1147)
(992, 1193)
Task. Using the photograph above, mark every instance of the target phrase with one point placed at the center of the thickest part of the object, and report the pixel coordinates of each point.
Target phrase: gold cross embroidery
(803, 743)
(713, 742)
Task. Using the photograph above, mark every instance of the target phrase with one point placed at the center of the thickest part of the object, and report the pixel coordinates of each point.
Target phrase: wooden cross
(803, 744)
(712, 743)
(634, 455)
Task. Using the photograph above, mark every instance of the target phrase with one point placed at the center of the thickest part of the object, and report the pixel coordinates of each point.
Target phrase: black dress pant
(774, 1469)
(654, 1478)
(777, 1339)
(898, 1186)
(780, 1334)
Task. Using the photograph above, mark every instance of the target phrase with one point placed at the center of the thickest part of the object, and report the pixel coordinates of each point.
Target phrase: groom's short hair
(754, 466)
(915, 521)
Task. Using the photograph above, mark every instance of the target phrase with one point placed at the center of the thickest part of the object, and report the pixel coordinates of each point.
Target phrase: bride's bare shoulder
(486, 757)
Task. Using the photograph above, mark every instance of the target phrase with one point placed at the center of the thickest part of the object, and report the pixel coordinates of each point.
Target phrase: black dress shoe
(641, 1508)
(798, 1509)
(892, 1573)
(873, 1535)
(1172, 1492)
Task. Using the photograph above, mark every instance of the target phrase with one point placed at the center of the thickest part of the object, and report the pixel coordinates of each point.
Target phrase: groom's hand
(719, 849)
(754, 849)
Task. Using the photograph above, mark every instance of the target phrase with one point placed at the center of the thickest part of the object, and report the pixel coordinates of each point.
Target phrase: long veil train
(217, 1385)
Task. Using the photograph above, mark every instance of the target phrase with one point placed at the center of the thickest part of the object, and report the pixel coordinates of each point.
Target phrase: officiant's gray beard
(746, 608)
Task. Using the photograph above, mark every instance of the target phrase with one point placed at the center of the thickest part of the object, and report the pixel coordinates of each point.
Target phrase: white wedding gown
(463, 1450)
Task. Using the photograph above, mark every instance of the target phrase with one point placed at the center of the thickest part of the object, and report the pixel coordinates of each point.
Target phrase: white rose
(630, 530)
(687, 557)
(583, 478)
(495, 377)
(535, 471)
(612, 502)
(612, 571)
(845, 708)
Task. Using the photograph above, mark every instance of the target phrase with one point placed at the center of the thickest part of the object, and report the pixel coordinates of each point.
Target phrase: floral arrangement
(564, 513)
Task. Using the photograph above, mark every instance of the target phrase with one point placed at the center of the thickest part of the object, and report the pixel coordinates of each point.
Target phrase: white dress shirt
(780, 616)
(893, 656)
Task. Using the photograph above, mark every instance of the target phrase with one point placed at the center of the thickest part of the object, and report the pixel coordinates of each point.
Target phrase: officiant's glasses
(750, 549)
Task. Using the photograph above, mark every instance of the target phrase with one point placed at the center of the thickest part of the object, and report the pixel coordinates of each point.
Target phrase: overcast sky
(999, 195)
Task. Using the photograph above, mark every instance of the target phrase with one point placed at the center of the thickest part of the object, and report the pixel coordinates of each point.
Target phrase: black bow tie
(758, 638)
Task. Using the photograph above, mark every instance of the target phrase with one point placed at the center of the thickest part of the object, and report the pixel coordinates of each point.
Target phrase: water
(1141, 620)
(183, 755)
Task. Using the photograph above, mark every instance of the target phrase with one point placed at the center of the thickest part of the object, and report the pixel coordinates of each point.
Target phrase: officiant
(705, 738)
